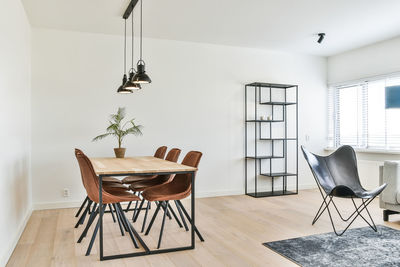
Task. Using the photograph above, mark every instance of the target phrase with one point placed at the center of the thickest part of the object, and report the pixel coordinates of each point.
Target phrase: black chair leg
(83, 205)
(175, 217)
(121, 211)
(121, 216)
(136, 205)
(129, 205)
(119, 220)
(190, 221)
(86, 213)
(373, 226)
(145, 216)
(92, 217)
(140, 208)
(358, 211)
(181, 215)
(152, 219)
(163, 206)
(81, 220)
(320, 212)
(162, 225)
(89, 249)
(111, 211)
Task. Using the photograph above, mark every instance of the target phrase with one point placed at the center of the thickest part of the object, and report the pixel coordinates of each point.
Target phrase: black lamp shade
(141, 76)
(122, 89)
(130, 85)
(392, 97)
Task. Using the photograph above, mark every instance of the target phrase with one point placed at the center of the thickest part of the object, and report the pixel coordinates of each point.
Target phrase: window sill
(369, 150)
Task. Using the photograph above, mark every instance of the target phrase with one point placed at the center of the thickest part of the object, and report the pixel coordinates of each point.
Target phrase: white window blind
(357, 116)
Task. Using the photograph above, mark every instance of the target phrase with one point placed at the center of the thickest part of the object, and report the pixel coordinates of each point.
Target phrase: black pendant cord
(125, 49)
(141, 30)
(132, 42)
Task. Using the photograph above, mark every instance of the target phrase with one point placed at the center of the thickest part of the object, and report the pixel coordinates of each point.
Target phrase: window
(357, 115)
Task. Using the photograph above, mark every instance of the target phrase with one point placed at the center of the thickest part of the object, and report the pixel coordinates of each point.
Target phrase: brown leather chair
(91, 184)
(177, 189)
(172, 156)
(160, 153)
(110, 186)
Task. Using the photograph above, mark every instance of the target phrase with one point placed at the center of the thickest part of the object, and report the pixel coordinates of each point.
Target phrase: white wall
(15, 182)
(195, 103)
(374, 60)
(377, 59)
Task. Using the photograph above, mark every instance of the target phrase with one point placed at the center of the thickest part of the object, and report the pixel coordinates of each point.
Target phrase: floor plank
(234, 228)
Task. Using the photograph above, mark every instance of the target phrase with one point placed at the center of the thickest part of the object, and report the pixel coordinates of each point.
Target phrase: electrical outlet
(307, 137)
(66, 192)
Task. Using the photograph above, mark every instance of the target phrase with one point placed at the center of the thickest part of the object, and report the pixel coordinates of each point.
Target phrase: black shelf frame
(258, 159)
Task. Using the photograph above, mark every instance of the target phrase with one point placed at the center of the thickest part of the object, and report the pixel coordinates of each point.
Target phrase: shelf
(272, 194)
(278, 174)
(265, 157)
(276, 136)
(278, 103)
(265, 121)
(271, 85)
(278, 139)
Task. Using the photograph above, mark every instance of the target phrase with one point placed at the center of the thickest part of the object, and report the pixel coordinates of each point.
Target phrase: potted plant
(120, 131)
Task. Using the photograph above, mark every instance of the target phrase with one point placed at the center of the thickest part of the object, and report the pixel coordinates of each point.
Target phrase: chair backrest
(89, 177)
(184, 181)
(160, 152)
(173, 155)
(337, 169)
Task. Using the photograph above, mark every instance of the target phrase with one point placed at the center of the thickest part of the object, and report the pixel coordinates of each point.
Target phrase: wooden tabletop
(136, 165)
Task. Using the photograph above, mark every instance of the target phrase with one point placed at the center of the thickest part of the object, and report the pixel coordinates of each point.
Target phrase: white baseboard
(76, 204)
(219, 193)
(57, 205)
(14, 242)
(307, 186)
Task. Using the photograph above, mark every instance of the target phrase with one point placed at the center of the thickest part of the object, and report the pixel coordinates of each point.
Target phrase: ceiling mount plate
(129, 9)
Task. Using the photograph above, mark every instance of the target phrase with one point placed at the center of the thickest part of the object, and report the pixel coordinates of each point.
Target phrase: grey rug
(357, 247)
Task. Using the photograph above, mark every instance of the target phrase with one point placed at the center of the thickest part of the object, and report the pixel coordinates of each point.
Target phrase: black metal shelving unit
(259, 157)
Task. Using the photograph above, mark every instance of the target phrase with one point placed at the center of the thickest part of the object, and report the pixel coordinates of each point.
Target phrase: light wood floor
(234, 228)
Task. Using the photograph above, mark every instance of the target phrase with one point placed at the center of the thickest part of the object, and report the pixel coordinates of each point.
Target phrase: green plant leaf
(115, 128)
(102, 136)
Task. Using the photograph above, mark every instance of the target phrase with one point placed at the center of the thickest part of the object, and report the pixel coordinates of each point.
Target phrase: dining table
(146, 165)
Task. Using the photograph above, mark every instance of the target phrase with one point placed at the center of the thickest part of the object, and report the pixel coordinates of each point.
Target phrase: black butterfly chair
(337, 176)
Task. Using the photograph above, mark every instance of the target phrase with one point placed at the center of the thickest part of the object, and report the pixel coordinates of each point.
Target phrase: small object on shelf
(271, 136)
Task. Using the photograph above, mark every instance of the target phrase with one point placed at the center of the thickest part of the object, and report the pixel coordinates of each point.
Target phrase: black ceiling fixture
(135, 79)
(122, 89)
(141, 76)
(129, 84)
(321, 37)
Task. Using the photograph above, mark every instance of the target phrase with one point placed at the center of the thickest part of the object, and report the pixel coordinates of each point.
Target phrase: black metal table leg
(135, 233)
(101, 211)
(192, 201)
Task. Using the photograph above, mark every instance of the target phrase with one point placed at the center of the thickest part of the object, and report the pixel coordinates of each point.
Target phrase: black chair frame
(330, 188)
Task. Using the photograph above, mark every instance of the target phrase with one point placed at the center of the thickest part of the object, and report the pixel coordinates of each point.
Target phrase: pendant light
(129, 84)
(122, 89)
(141, 76)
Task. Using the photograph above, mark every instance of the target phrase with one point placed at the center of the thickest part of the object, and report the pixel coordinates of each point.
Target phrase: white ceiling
(289, 25)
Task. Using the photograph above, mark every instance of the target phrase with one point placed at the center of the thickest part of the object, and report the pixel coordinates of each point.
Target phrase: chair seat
(165, 192)
(138, 178)
(113, 187)
(346, 192)
(146, 184)
(119, 196)
(111, 180)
